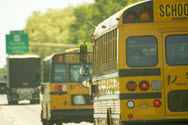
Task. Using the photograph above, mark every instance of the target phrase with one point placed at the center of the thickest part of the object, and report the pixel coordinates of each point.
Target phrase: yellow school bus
(64, 98)
(141, 65)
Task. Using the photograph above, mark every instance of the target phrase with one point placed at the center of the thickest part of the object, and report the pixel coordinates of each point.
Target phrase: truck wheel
(9, 99)
(37, 101)
(9, 102)
(14, 102)
(32, 102)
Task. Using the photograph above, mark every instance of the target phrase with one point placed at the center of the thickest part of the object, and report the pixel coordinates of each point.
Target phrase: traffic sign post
(17, 43)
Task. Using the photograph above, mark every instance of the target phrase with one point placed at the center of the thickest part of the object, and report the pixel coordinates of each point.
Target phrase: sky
(14, 14)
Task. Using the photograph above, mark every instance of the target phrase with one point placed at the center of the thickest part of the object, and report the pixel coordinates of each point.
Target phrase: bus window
(177, 50)
(141, 51)
(60, 73)
(75, 73)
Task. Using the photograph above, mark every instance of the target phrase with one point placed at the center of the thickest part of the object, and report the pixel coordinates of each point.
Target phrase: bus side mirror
(83, 53)
(84, 70)
(86, 84)
(42, 88)
(92, 91)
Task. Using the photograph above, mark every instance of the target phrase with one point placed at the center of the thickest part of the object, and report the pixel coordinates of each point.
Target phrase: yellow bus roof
(112, 22)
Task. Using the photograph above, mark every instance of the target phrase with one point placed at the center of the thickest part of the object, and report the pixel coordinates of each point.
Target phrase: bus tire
(49, 122)
(44, 122)
(58, 123)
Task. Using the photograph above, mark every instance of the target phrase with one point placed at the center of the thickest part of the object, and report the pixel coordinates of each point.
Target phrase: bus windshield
(75, 73)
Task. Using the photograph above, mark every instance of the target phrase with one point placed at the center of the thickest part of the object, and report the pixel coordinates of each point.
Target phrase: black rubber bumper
(169, 121)
(73, 115)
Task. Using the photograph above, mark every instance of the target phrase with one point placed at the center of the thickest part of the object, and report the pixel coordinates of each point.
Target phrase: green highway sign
(17, 32)
(17, 43)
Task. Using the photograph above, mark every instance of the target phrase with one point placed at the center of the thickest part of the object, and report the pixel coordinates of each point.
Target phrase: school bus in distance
(141, 65)
(64, 98)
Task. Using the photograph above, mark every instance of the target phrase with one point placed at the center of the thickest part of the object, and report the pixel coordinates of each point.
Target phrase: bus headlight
(130, 104)
(78, 100)
(156, 85)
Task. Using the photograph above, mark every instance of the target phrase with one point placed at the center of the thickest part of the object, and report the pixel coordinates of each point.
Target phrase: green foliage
(81, 30)
(3, 72)
(87, 15)
(51, 27)
(73, 25)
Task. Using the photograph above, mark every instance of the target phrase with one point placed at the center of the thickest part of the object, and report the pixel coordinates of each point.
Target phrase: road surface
(22, 114)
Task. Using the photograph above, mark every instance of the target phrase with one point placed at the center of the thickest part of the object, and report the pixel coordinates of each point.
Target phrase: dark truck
(23, 78)
(3, 85)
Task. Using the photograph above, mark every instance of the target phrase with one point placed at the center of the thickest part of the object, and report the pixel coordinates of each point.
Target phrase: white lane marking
(15, 123)
(10, 119)
(8, 116)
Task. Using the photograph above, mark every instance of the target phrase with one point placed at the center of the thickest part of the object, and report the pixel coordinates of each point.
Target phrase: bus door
(175, 49)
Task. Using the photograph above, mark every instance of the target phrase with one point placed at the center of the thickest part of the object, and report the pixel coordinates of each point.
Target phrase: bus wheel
(49, 122)
(58, 123)
(44, 122)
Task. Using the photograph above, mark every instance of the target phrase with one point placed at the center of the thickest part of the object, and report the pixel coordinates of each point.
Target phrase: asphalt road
(25, 114)
(22, 114)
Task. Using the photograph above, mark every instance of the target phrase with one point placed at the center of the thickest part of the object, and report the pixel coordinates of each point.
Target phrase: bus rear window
(142, 51)
(60, 73)
(177, 50)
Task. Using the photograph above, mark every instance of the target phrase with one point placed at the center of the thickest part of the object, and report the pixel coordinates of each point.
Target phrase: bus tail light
(144, 16)
(65, 103)
(130, 116)
(60, 88)
(144, 85)
(131, 16)
(156, 85)
(157, 103)
(58, 59)
(131, 86)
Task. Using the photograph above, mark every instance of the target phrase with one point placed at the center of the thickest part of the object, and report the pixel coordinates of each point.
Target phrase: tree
(69, 25)
(3, 72)
(50, 27)
(87, 14)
